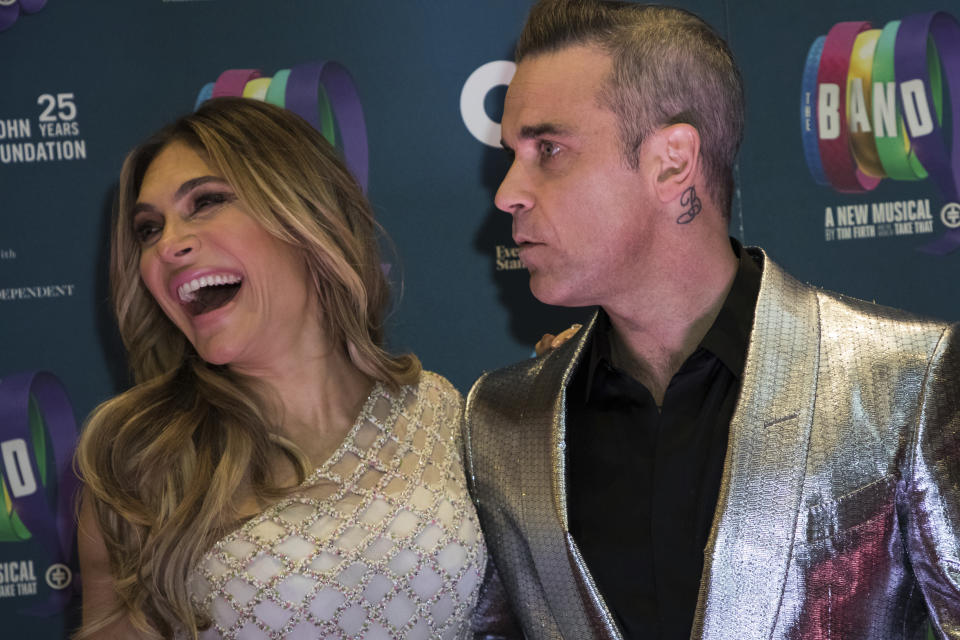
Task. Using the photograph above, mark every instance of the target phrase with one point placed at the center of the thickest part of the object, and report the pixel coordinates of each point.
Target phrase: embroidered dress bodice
(382, 541)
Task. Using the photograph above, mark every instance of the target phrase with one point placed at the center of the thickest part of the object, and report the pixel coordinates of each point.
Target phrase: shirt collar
(728, 337)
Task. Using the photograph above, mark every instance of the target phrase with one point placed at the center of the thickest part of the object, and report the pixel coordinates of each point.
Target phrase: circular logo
(475, 89)
(7, 3)
(950, 215)
(58, 576)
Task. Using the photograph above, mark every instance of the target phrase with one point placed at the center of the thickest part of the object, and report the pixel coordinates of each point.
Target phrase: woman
(274, 470)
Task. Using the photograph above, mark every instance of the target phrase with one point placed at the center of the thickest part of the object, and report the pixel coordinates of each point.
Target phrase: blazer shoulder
(503, 388)
(872, 324)
(860, 322)
(525, 390)
(870, 309)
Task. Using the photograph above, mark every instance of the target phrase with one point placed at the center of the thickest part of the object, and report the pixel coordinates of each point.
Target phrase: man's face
(582, 218)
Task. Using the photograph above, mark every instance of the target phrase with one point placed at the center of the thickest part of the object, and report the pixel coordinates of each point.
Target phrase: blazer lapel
(573, 597)
(751, 540)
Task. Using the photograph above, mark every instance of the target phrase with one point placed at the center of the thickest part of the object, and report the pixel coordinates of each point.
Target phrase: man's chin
(552, 293)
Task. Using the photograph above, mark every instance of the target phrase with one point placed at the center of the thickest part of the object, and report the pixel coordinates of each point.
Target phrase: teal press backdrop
(82, 82)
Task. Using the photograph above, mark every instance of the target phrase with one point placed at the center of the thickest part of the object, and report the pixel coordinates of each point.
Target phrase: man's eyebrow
(182, 190)
(532, 132)
(544, 129)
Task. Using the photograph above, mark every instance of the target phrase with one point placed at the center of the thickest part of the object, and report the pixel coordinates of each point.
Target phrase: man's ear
(678, 153)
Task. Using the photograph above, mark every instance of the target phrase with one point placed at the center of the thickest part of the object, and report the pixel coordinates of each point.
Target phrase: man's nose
(514, 194)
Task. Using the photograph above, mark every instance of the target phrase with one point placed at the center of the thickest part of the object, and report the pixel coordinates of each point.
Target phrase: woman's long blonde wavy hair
(163, 463)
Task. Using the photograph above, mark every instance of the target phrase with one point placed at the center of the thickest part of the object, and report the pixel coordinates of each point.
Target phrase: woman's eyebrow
(182, 190)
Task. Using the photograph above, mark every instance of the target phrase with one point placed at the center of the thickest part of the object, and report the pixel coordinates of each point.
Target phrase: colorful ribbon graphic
(322, 93)
(38, 435)
(872, 107)
(929, 143)
(840, 165)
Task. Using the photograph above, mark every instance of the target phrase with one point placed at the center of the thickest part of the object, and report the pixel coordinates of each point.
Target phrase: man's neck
(655, 332)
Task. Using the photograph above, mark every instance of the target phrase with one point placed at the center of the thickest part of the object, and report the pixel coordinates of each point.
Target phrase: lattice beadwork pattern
(382, 542)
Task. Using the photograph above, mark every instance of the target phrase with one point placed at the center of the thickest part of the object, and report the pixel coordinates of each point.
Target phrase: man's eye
(548, 149)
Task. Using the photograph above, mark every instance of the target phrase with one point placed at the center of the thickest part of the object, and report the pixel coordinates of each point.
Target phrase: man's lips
(528, 244)
(527, 252)
(522, 240)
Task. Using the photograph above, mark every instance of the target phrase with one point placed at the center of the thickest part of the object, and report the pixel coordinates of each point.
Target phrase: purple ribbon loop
(303, 98)
(10, 13)
(32, 6)
(910, 65)
(8, 16)
(48, 512)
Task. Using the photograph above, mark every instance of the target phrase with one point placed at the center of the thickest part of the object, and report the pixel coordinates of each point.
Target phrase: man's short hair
(669, 66)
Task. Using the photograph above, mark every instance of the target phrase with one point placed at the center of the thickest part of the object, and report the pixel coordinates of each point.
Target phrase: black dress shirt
(643, 482)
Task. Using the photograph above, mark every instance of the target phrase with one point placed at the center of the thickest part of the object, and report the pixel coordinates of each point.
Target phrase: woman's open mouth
(206, 293)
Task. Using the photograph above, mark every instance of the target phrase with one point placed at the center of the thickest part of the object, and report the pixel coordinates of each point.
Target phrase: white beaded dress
(382, 541)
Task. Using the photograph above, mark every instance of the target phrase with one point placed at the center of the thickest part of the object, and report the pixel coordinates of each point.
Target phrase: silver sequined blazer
(839, 506)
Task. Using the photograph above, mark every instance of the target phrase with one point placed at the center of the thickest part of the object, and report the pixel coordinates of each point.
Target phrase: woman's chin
(216, 354)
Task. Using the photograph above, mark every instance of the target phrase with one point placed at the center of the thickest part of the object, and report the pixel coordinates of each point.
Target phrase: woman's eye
(206, 200)
(145, 232)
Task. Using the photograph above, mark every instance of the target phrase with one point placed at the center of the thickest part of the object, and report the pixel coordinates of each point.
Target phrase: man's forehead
(552, 87)
(577, 64)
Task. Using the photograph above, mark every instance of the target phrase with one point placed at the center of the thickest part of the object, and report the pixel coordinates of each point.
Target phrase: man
(723, 452)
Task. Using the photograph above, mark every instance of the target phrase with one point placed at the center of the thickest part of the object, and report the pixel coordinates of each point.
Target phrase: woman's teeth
(188, 290)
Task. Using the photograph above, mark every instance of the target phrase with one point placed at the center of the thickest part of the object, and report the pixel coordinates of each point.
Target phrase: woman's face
(240, 295)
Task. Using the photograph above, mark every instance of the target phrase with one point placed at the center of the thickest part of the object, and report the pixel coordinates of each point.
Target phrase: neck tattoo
(689, 200)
